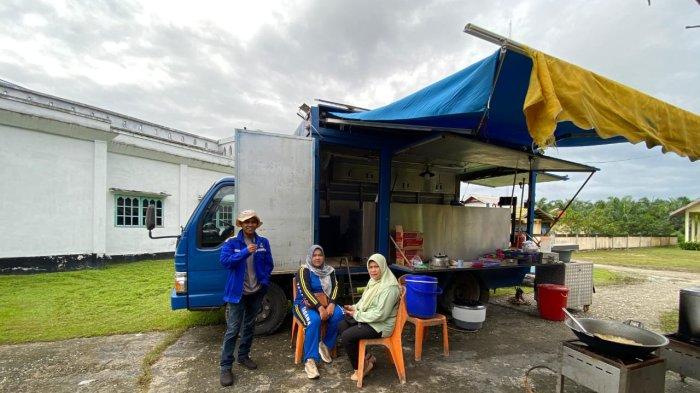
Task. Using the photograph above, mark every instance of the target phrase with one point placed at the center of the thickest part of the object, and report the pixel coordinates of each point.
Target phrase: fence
(611, 242)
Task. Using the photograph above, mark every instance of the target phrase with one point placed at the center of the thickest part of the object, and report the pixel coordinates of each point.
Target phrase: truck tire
(464, 287)
(273, 311)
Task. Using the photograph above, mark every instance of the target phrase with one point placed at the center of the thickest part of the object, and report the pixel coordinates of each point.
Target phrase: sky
(208, 67)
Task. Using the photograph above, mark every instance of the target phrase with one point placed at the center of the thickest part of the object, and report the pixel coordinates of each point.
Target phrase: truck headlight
(180, 282)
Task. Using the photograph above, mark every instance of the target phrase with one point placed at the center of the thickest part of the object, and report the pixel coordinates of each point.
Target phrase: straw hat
(247, 215)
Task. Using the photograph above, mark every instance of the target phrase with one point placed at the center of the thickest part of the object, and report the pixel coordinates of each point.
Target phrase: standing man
(248, 258)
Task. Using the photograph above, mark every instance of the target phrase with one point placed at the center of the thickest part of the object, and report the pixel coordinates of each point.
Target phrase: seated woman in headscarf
(317, 290)
(374, 315)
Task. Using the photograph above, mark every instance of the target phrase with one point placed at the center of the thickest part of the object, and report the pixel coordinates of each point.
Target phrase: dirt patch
(99, 364)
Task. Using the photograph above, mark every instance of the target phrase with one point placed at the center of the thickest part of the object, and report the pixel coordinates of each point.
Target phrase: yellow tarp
(560, 91)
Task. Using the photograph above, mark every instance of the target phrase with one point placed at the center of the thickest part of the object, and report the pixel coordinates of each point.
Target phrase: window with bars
(130, 211)
(224, 216)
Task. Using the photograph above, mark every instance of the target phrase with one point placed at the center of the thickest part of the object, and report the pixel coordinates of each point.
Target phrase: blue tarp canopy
(461, 101)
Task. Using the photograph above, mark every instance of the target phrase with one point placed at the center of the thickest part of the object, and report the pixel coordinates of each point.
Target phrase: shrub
(690, 246)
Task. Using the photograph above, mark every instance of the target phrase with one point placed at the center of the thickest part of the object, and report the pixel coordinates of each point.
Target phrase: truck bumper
(177, 301)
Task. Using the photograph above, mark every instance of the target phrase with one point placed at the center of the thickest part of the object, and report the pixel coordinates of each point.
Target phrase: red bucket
(551, 298)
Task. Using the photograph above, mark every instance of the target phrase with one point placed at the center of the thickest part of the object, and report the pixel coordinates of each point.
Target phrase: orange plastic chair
(392, 343)
(422, 324)
(299, 330)
(295, 323)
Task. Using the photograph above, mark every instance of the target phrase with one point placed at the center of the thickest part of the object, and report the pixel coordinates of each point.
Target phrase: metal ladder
(354, 295)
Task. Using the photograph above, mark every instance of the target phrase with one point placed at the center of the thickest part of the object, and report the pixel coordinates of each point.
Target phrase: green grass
(665, 258)
(121, 298)
(601, 277)
(669, 321)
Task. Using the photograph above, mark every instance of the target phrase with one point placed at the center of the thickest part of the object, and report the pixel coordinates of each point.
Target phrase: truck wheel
(464, 288)
(272, 312)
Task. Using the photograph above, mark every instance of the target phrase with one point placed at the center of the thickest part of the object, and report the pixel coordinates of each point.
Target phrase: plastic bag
(416, 261)
(529, 246)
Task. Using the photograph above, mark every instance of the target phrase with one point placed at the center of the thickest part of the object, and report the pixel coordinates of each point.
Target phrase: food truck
(387, 180)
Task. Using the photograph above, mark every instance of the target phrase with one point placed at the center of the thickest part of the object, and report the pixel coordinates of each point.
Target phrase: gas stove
(603, 373)
(682, 356)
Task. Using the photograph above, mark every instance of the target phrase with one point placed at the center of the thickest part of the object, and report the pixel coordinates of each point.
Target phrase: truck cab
(274, 175)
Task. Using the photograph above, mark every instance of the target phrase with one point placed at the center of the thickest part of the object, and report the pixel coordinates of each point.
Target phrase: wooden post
(595, 242)
(627, 243)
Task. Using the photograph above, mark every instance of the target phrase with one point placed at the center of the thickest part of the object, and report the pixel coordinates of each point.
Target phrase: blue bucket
(421, 295)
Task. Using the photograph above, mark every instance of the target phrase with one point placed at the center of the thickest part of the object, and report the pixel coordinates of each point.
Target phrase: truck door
(275, 177)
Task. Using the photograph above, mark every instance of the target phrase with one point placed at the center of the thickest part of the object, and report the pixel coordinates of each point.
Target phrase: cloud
(212, 66)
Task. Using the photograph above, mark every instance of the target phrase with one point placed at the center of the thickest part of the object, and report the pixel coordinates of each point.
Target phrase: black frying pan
(649, 340)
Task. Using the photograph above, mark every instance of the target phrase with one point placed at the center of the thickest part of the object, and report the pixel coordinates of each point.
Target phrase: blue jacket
(233, 257)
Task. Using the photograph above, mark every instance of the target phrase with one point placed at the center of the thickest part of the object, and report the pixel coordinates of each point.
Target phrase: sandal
(368, 367)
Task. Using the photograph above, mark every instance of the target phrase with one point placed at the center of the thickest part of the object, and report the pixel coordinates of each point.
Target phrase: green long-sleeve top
(381, 313)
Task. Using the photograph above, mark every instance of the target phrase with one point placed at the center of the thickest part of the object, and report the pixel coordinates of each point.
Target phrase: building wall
(185, 185)
(56, 197)
(61, 165)
(47, 193)
(148, 177)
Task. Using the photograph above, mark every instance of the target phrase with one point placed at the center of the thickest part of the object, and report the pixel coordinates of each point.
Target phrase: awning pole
(561, 213)
(492, 37)
(513, 207)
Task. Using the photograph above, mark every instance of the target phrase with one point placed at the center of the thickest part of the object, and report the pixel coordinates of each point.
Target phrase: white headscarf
(323, 273)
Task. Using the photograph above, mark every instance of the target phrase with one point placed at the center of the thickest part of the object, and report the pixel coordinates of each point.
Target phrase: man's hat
(247, 215)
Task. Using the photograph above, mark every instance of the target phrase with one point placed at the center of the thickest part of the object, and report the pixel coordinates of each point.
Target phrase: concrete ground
(98, 364)
(494, 359)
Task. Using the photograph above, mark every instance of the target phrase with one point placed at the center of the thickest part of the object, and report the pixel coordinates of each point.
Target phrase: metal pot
(649, 340)
(689, 315)
(440, 260)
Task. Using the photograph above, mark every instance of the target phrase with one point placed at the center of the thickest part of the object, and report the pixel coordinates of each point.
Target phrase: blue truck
(348, 176)
(346, 191)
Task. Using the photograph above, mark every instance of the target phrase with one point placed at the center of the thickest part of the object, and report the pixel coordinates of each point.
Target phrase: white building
(74, 180)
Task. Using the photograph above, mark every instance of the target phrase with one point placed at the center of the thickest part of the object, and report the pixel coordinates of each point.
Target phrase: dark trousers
(351, 332)
(240, 317)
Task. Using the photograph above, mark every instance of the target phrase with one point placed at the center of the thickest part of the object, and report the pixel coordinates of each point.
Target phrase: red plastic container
(551, 298)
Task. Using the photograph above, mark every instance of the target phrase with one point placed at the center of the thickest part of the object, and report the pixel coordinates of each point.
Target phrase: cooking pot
(689, 315)
(440, 260)
(649, 340)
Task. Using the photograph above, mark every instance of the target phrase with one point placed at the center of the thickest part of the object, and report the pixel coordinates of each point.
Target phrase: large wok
(650, 341)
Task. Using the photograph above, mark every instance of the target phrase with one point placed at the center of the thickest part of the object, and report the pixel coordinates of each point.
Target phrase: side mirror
(150, 217)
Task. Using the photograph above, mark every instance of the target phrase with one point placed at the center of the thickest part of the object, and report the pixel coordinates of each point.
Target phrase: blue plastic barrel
(421, 295)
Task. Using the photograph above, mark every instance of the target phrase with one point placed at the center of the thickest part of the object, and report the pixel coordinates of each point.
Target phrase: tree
(618, 216)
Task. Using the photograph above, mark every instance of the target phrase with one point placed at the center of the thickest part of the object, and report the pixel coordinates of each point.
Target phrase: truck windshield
(218, 222)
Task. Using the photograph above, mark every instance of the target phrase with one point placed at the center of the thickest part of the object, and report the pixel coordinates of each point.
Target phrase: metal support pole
(492, 37)
(384, 201)
(316, 205)
(531, 202)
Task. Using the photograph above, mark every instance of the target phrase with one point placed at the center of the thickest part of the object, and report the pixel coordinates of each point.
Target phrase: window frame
(217, 217)
(140, 215)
